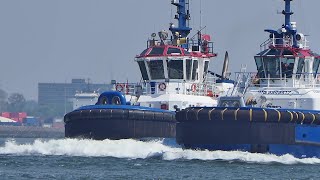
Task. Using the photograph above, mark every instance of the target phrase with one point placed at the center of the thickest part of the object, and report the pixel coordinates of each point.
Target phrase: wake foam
(132, 149)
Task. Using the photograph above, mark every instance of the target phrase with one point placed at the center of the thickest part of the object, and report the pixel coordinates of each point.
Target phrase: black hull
(116, 124)
(278, 131)
(224, 132)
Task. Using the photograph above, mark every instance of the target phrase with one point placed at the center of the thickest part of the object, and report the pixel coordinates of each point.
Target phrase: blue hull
(305, 144)
(252, 131)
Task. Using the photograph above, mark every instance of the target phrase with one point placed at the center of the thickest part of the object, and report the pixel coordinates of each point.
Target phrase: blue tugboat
(112, 118)
(275, 110)
(175, 76)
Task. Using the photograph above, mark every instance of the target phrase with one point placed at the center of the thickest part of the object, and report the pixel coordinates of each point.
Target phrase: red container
(22, 115)
(5, 114)
(14, 115)
(20, 120)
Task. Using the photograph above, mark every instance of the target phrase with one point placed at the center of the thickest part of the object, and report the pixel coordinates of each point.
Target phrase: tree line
(16, 102)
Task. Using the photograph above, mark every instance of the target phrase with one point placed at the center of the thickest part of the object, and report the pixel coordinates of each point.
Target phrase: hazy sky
(57, 40)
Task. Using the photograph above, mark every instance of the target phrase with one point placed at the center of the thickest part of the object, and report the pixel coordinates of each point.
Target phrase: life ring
(119, 87)
(194, 87)
(162, 86)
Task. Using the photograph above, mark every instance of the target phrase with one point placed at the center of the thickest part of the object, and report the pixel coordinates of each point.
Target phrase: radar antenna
(288, 28)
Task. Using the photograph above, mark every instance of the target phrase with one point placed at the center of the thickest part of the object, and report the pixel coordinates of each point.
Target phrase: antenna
(200, 14)
(288, 29)
(183, 16)
(287, 12)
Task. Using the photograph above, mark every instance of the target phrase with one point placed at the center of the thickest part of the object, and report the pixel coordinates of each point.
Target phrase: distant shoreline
(30, 132)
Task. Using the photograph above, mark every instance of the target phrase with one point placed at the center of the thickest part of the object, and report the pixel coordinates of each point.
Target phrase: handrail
(185, 88)
(282, 42)
(297, 80)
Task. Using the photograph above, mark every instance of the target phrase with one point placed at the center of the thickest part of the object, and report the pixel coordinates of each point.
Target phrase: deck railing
(283, 42)
(297, 80)
(185, 88)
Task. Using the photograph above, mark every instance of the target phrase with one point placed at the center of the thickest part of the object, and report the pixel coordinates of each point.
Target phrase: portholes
(116, 100)
(104, 101)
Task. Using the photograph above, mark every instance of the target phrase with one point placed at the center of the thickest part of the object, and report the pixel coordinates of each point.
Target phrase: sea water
(132, 159)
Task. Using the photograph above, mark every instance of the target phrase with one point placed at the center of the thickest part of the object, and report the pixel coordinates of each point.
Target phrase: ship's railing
(188, 44)
(243, 80)
(185, 88)
(283, 42)
(297, 80)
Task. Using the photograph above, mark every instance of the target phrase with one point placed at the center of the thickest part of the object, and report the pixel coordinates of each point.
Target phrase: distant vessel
(84, 98)
(274, 111)
(175, 76)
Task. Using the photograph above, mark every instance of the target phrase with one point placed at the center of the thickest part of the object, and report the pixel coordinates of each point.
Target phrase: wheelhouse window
(156, 51)
(206, 66)
(144, 52)
(156, 69)
(175, 69)
(272, 67)
(174, 51)
(194, 70)
(260, 68)
(287, 65)
(268, 67)
(315, 68)
(143, 70)
(300, 67)
(188, 68)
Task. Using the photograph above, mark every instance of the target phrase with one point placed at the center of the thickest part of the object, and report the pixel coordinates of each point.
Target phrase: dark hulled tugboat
(273, 111)
(175, 76)
(112, 118)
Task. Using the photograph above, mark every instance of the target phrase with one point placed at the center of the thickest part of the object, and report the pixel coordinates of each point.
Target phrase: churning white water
(133, 149)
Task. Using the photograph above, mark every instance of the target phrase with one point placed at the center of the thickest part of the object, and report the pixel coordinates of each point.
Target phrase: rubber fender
(96, 114)
(149, 115)
(259, 115)
(273, 115)
(308, 118)
(215, 115)
(181, 116)
(243, 115)
(168, 117)
(73, 115)
(119, 114)
(301, 117)
(286, 117)
(192, 114)
(229, 114)
(204, 114)
(295, 116)
(317, 120)
(67, 118)
(158, 116)
(136, 114)
(106, 114)
(85, 114)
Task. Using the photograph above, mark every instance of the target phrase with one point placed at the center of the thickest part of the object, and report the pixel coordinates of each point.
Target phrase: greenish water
(130, 159)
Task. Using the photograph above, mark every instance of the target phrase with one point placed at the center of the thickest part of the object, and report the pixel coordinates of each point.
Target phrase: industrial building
(60, 95)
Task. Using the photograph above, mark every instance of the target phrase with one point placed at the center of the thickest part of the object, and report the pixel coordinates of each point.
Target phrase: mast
(287, 12)
(288, 28)
(183, 16)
